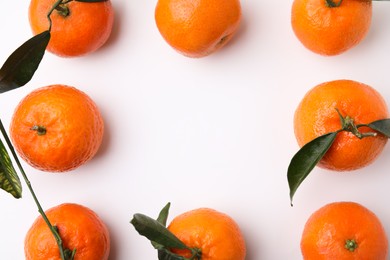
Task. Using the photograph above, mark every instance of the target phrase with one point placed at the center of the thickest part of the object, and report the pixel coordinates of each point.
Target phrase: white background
(212, 132)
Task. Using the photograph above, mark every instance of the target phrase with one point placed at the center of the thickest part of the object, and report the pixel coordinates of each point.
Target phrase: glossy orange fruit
(78, 28)
(79, 227)
(331, 27)
(197, 28)
(56, 128)
(216, 234)
(316, 115)
(342, 231)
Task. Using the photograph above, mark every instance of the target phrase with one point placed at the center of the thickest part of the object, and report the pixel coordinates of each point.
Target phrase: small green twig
(196, 254)
(53, 229)
(348, 124)
(58, 5)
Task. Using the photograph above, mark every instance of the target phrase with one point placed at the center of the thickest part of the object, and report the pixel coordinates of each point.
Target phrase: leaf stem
(196, 254)
(348, 124)
(40, 210)
(57, 6)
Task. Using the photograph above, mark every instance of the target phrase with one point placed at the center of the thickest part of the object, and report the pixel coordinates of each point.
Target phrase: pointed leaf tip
(306, 159)
(21, 65)
(163, 215)
(381, 126)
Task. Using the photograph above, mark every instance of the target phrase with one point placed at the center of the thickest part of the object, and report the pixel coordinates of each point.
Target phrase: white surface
(212, 132)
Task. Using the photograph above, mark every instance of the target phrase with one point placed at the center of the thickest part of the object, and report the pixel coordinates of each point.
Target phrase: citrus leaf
(163, 215)
(21, 65)
(162, 219)
(381, 126)
(9, 180)
(156, 232)
(306, 159)
(168, 255)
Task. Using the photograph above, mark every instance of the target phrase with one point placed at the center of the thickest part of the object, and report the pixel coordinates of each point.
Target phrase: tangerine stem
(51, 11)
(57, 6)
(196, 254)
(347, 124)
(41, 130)
(40, 210)
(331, 3)
(350, 245)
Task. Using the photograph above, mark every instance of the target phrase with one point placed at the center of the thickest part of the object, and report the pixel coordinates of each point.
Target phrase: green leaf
(9, 180)
(21, 65)
(381, 126)
(156, 232)
(162, 219)
(306, 159)
(163, 216)
(168, 255)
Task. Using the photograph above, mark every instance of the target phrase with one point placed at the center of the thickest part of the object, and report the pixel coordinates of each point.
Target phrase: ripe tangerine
(197, 28)
(331, 27)
(57, 128)
(79, 227)
(216, 234)
(344, 230)
(78, 28)
(316, 115)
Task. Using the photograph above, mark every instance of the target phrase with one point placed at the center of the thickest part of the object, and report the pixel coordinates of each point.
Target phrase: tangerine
(316, 115)
(344, 230)
(215, 234)
(197, 28)
(77, 28)
(331, 27)
(56, 128)
(79, 227)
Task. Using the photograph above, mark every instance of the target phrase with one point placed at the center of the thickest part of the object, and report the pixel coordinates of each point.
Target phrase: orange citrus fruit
(316, 115)
(78, 28)
(216, 234)
(344, 230)
(79, 227)
(197, 28)
(330, 27)
(56, 128)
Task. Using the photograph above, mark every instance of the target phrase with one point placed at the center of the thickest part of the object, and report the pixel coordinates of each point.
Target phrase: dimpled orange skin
(85, 30)
(316, 116)
(215, 233)
(74, 128)
(331, 30)
(327, 230)
(197, 28)
(80, 228)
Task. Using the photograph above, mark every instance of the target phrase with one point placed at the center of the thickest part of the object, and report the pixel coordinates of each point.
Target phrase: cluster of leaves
(161, 238)
(17, 71)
